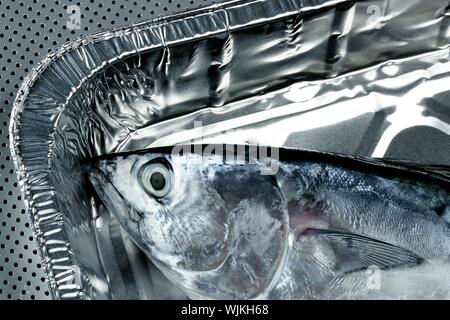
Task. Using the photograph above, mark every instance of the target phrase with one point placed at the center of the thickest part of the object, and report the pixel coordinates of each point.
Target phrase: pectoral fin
(357, 253)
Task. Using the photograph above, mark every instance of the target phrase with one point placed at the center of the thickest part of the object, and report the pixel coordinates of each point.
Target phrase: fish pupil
(157, 181)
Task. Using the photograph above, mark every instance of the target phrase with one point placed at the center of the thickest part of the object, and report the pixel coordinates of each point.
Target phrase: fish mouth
(113, 200)
(96, 177)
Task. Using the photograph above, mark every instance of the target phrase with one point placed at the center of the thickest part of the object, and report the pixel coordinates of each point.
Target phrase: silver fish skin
(221, 229)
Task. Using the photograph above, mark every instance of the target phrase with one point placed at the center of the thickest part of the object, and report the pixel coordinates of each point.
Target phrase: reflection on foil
(355, 77)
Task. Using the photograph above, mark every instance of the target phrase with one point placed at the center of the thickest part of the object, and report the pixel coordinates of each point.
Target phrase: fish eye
(156, 179)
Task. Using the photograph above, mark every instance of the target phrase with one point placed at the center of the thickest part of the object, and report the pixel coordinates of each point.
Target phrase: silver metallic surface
(366, 78)
(29, 30)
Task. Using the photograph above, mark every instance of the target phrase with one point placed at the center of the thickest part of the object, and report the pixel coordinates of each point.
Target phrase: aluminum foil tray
(363, 78)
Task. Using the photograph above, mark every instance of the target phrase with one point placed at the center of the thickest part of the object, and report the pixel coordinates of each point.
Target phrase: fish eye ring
(156, 179)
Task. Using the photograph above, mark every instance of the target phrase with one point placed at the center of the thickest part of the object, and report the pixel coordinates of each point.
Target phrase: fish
(234, 222)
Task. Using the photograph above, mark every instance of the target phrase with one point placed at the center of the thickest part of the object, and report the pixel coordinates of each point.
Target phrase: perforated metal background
(30, 29)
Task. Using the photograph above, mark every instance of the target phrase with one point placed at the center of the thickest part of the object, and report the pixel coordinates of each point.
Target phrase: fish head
(216, 228)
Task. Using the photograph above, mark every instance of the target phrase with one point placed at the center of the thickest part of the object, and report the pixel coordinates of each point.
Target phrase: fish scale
(391, 204)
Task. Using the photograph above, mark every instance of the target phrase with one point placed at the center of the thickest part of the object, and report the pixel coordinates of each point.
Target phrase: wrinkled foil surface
(367, 78)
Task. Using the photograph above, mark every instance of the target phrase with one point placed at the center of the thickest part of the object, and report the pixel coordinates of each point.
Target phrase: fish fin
(357, 253)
